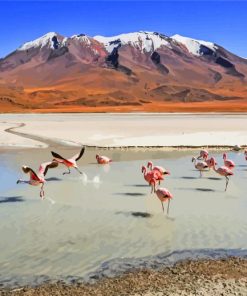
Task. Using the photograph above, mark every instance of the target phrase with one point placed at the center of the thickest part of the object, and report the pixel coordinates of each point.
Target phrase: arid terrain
(205, 277)
(142, 71)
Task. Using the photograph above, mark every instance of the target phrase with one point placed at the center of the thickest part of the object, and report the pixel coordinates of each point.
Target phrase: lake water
(109, 213)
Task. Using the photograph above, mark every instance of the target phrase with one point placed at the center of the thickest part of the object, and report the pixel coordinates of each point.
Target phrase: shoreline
(135, 131)
(233, 106)
(225, 276)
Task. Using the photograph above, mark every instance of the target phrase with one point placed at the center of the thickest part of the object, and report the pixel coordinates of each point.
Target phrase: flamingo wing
(43, 169)
(58, 157)
(78, 155)
(27, 170)
(225, 171)
(163, 194)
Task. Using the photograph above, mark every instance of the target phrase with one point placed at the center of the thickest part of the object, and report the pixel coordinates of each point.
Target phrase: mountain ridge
(133, 69)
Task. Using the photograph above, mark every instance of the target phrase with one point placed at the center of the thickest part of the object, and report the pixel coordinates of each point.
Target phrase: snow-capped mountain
(50, 39)
(144, 41)
(132, 68)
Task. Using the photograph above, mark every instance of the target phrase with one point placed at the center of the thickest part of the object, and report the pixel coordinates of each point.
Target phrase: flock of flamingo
(202, 163)
(37, 179)
(153, 175)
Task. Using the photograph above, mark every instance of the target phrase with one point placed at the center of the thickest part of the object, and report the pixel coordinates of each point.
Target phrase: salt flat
(118, 130)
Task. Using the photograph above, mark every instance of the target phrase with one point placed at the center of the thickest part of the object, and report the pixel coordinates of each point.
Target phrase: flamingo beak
(18, 181)
(166, 173)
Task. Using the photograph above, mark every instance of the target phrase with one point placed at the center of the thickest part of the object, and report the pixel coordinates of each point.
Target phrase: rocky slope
(137, 70)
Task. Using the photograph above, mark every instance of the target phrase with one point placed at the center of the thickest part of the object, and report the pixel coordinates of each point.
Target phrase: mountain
(134, 71)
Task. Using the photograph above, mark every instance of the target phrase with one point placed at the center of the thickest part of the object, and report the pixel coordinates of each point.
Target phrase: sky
(222, 22)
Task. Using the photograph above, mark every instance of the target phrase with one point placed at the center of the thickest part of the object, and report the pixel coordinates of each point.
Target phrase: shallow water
(109, 213)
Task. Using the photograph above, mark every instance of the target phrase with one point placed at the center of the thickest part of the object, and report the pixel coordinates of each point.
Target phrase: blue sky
(223, 22)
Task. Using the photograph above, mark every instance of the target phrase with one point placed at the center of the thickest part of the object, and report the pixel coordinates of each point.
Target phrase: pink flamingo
(148, 176)
(103, 159)
(163, 194)
(223, 171)
(227, 162)
(199, 165)
(208, 161)
(162, 170)
(203, 154)
(38, 179)
(70, 162)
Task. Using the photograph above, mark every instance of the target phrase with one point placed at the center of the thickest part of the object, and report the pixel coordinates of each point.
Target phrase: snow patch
(144, 41)
(194, 45)
(40, 42)
(82, 38)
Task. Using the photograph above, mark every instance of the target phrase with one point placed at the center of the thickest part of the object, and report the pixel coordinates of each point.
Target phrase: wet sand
(203, 277)
(125, 130)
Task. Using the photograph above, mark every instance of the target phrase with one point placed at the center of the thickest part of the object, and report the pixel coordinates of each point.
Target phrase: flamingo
(103, 159)
(199, 165)
(148, 176)
(227, 162)
(162, 170)
(163, 194)
(208, 161)
(203, 154)
(223, 171)
(69, 163)
(39, 178)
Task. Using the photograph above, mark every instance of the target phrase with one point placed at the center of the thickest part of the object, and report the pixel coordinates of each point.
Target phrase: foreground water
(108, 214)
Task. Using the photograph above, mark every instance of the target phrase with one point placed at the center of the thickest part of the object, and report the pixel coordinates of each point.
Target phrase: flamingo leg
(67, 172)
(42, 192)
(227, 180)
(168, 206)
(162, 206)
(200, 174)
(79, 171)
(20, 181)
(159, 182)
